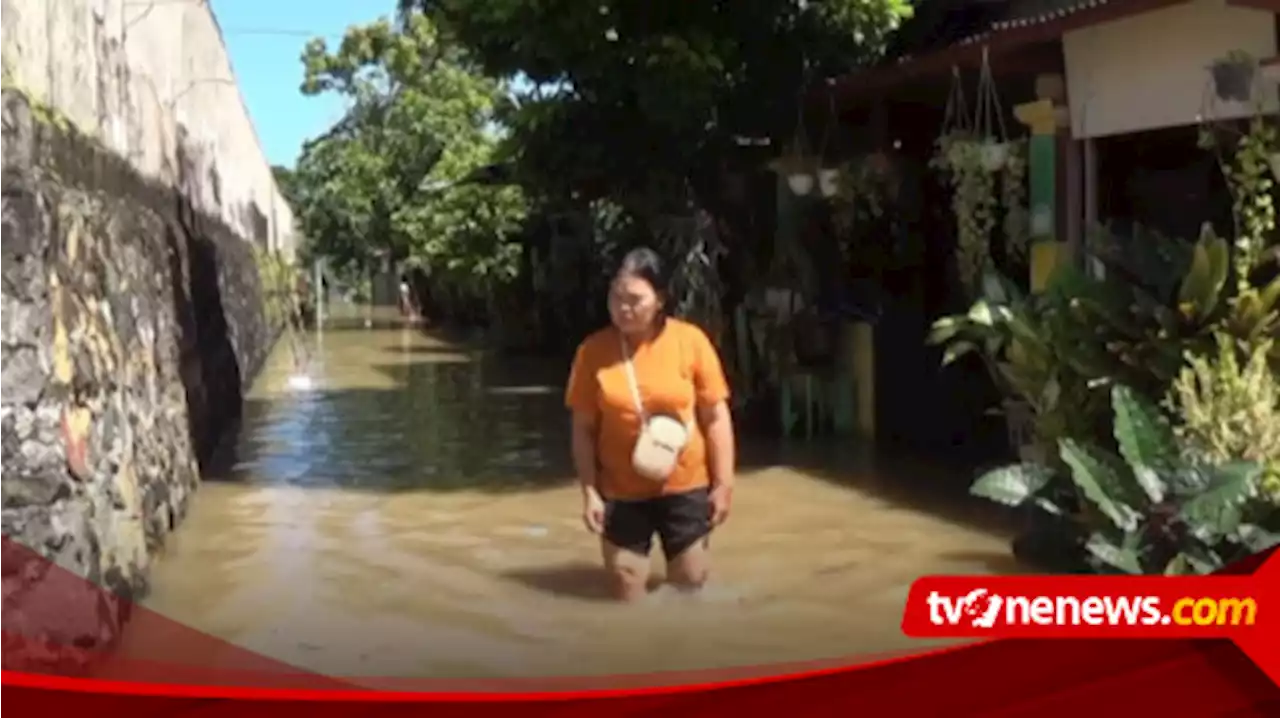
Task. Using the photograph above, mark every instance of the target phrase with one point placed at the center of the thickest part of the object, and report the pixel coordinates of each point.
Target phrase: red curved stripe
(174, 690)
(1006, 677)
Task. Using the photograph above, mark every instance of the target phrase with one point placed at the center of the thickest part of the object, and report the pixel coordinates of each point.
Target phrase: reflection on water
(414, 514)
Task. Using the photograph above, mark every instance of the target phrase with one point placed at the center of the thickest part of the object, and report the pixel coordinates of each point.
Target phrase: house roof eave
(1000, 38)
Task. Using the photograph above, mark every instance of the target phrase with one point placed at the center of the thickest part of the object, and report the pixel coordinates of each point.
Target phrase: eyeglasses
(631, 301)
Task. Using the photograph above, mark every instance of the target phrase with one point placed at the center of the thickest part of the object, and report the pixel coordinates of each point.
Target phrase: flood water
(414, 514)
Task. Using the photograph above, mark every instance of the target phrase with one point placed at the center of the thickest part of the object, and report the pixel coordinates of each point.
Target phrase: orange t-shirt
(677, 371)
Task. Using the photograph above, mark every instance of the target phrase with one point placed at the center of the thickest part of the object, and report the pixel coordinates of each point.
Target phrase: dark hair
(644, 263)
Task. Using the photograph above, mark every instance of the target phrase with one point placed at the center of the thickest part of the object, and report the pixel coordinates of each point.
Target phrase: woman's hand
(593, 510)
(721, 501)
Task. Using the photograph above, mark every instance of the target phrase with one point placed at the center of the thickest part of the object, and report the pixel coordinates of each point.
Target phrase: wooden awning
(998, 38)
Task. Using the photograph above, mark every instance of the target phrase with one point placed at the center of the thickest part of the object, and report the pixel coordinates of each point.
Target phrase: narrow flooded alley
(414, 514)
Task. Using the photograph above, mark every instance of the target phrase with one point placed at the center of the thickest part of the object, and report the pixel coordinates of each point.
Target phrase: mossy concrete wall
(133, 316)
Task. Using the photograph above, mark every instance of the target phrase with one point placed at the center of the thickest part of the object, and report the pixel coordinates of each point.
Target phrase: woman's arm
(712, 390)
(580, 398)
(717, 425)
(584, 449)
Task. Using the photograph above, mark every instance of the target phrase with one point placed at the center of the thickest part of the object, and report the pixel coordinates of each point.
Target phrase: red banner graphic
(1188, 660)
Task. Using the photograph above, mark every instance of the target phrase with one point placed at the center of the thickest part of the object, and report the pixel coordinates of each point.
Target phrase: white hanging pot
(995, 155)
(829, 181)
(800, 182)
(1275, 165)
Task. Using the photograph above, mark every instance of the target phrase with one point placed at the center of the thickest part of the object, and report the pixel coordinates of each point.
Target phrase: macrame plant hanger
(956, 121)
(828, 177)
(989, 120)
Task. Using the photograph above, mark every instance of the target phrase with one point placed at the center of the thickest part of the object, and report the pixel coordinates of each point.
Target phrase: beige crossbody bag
(662, 437)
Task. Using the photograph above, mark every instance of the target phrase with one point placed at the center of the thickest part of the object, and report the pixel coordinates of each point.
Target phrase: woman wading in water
(652, 433)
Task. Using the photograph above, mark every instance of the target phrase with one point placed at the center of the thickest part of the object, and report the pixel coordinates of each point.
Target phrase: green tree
(388, 179)
(626, 96)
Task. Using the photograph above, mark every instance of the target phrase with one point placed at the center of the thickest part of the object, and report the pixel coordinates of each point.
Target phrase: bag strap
(631, 378)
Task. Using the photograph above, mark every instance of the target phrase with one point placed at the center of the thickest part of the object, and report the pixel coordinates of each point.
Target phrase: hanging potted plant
(961, 154)
(995, 154)
(798, 167)
(955, 142)
(800, 178)
(989, 122)
(1233, 76)
(961, 147)
(830, 176)
(974, 204)
(1017, 223)
(862, 184)
(829, 181)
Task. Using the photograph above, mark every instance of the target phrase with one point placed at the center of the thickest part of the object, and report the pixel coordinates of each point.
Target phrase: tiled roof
(1048, 12)
(943, 30)
(946, 23)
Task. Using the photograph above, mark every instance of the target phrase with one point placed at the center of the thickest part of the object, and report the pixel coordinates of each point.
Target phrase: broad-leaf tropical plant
(1061, 350)
(1147, 509)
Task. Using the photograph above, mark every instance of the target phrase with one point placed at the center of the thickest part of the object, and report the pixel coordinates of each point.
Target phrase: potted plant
(973, 201)
(988, 121)
(1233, 76)
(800, 182)
(995, 154)
(798, 167)
(957, 148)
(829, 181)
(1017, 223)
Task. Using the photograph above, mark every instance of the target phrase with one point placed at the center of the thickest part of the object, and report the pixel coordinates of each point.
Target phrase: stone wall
(132, 304)
(132, 324)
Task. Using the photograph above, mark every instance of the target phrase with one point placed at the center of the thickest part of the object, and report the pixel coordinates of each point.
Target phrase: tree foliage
(625, 91)
(387, 180)
(628, 102)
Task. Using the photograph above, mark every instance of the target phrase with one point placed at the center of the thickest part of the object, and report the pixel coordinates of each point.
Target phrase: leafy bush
(1148, 510)
(1229, 410)
(1061, 350)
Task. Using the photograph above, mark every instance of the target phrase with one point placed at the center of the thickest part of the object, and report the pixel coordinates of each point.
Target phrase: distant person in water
(653, 437)
(408, 307)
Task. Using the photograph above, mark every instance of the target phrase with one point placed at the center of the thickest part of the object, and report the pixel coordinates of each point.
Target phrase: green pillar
(1042, 173)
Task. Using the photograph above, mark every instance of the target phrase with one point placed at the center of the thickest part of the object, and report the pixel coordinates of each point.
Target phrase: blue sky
(265, 40)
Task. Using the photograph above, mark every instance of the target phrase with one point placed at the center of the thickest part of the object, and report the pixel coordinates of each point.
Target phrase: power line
(277, 32)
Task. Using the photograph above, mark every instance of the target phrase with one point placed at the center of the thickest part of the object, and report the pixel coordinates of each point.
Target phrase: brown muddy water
(413, 514)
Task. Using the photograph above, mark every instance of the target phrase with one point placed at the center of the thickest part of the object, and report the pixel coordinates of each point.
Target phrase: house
(1112, 94)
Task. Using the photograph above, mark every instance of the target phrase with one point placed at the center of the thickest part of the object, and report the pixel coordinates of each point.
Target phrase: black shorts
(679, 520)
